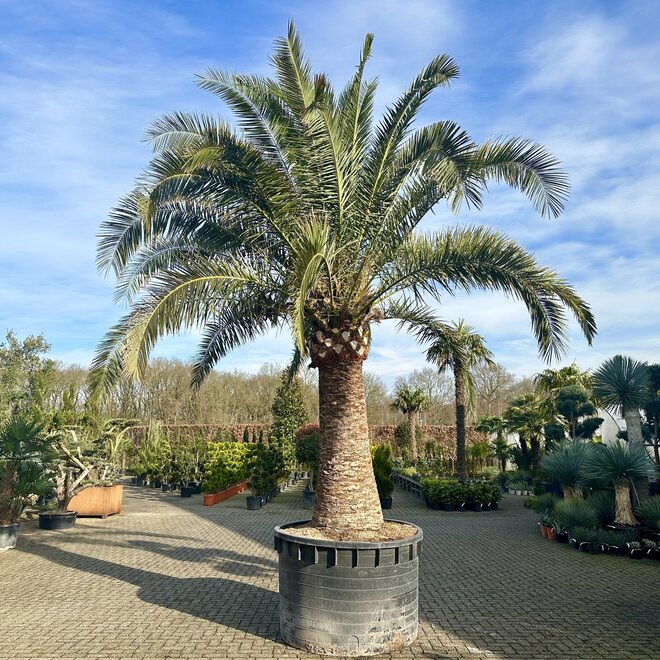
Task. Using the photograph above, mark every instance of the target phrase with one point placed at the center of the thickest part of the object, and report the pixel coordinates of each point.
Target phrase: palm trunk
(413, 436)
(623, 506)
(346, 494)
(536, 451)
(459, 383)
(634, 428)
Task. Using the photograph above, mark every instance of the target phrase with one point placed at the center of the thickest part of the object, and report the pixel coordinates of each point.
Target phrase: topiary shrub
(381, 460)
(575, 512)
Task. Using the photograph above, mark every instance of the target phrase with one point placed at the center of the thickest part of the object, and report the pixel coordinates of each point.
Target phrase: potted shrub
(545, 523)
(381, 457)
(318, 206)
(25, 453)
(184, 461)
(635, 550)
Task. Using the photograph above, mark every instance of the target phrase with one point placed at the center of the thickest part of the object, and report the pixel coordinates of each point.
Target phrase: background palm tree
(622, 385)
(410, 402)
(459, 348)
(527, 416)
(305, 215)
(494, 425)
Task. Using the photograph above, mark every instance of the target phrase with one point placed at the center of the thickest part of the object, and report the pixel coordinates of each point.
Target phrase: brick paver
(170, 578)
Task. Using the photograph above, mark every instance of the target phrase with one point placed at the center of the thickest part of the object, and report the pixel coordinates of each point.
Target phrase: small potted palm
(24, 457)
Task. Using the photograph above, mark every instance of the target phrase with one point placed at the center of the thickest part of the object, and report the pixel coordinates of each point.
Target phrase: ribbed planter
(57, 520)
(347, 598)
(9, 536)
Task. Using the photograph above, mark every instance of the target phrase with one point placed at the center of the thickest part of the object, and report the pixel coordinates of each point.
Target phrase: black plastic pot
(448, 507)
(308, 499)
(637, 553)
(386, 502)
(9, 536)
(197, 488)
(494, 506)
(561, 537)
(166, 488)
(485, 506)
(433, 505)
(156, 483)
(347, 598)
(186, 491)
(253, 502)
(139, 481)
(133, 481)
(475, 506)
(57, 520)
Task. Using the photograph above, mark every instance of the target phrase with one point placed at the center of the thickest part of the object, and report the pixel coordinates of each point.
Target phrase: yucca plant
(618, 465)
(565, 464)
(602, 502)
(574, 512)
(545, 502)
(306, 215)
(648, 511)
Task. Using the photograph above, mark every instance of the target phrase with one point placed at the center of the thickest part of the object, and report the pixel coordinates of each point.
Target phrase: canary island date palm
(304, 213)
(410, 401)
(459, 348)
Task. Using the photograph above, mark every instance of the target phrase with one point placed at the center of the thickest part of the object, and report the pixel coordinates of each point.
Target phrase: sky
(80, 82)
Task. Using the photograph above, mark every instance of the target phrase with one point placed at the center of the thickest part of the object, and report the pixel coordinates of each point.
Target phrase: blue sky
(81, 81)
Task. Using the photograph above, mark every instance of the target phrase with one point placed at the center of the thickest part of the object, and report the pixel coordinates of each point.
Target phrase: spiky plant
(565, 465)
(621, 384)
(604, 505)
(305, 215)
(648, 511)
(459, 348)
(574, 512)
(618, 465)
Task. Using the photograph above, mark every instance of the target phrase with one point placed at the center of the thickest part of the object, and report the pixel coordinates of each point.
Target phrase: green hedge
(449, 491)
(227, 464)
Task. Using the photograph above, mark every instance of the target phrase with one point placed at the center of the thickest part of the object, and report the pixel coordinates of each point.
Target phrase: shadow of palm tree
(235, 604)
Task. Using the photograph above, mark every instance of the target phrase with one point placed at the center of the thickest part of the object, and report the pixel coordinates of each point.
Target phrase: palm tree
(305, 215)
(410, 401)
(496, 426)
(622, 384)
(550, 381)
(527, 415)
(459, 348)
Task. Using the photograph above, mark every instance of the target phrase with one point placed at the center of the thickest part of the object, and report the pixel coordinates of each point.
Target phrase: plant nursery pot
(562, 537)
(386, 502)
(596, 548)
(133, 481)
(9, 536)
(653, 553)
(253, 502)
(584, 546)
(308, 499)
(166, 488)
(459, 507)
(637, 553)
(347, 598)
(574, 544)
(139, 481)
(494, 506)
(448, 507)
(157, 483)
(485, 506)
(544, 531)
(433, 505)
(552, 534)
(57, 520)
(197, 488)
(475, 506)
(221, 496)
(209, 499)
(186, 491)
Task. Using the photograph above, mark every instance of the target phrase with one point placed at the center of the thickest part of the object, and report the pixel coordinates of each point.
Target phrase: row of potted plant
(452, 495)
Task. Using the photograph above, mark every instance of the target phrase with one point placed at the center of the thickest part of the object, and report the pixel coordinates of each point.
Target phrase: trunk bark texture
(346, 494)
(459, 384)
(633, 425)
(413, 436)
(623, 514)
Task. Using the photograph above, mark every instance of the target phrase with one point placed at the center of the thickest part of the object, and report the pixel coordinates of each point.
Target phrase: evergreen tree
(289, 415)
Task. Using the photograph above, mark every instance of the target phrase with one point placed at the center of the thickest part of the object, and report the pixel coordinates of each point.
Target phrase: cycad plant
(565, 464)
(304, 214)
(618, 465)
(410, 401)
(460, 348)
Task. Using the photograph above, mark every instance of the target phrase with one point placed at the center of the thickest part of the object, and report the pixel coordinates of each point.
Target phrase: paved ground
(172, 579)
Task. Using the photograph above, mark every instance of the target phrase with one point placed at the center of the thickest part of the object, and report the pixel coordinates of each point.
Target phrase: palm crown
(306, 215)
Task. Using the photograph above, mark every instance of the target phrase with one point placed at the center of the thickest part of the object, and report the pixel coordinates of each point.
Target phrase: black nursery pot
(9, 536)
(197, 488)
(57, 520)
(347, 598)
(561, 537)
(166, 488)
(433, 505)
(386, 502)
(309, 497)
(253, 502)
(139, 481)
(494, 506)
(186, 491)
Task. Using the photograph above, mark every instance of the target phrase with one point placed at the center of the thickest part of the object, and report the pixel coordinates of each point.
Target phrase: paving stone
(171, 579)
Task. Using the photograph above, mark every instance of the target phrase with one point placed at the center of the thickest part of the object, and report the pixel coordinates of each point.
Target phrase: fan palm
(410, 401)
(527, 415)
(495, 425)
(619, 464)
(622, 384)
(305, 215)
(459, 348)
